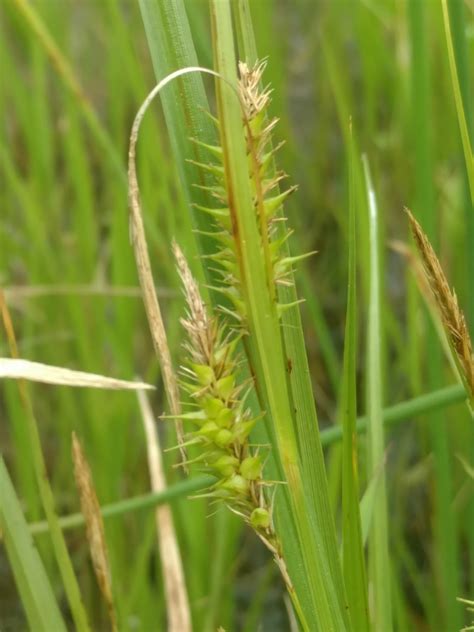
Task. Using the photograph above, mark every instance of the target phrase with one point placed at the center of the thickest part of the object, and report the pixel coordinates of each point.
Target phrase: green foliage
(353, 549)
(403, 73)
(34, 587)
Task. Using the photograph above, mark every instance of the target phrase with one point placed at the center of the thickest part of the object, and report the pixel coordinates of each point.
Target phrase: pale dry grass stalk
(142, 257)
(177, 604)
(19, 369)
(452, 317)
(94, 526)
(145, 275)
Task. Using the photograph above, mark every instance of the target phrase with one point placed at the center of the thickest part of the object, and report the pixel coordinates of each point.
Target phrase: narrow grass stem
(143, 501)
(392, 417)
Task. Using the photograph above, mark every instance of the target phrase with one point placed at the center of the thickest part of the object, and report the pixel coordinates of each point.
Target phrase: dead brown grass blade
(94, 526)
(452, 317)
(177, 604)
(150, 299)
(142, 258)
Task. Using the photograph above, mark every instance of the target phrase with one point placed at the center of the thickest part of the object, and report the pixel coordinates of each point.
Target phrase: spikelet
(94, 526)
(222, 422)
(267, 198)
(452, 318)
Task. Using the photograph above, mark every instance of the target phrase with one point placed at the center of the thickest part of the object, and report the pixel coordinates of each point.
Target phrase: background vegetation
(74, 74)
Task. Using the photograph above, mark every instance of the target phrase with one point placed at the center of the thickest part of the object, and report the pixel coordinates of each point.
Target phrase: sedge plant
(250, 436)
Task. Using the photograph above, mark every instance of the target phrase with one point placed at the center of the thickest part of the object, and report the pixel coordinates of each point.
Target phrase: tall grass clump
(298, 450)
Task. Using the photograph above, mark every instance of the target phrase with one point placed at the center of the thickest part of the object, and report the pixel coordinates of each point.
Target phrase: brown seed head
(253, 98)
(452, 317)
(197, 324)
(94, 524)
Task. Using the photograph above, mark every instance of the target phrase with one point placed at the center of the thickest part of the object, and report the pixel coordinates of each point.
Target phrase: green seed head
(224, 418)
(251, 468)
(209, 430)
(213, 406)
(226, 465)
(224, 438)
(242, 430)
(236, 484)
(260, 518)
(204, 374)
(225, 386)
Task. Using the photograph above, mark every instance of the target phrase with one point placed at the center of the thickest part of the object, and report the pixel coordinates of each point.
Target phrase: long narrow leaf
(353, 550)
(300, 384)
(379, 561)
(268, 353)
(46, 493)
(31, 579)
(463, 126)
(185, 106)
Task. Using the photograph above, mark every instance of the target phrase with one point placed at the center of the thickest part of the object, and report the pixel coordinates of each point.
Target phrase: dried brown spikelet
(452, 317)
(197, 324)
(94, 525)
(252, 97)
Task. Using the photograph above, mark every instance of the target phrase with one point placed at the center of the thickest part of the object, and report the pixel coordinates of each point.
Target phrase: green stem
(143, 501)
(392, 417)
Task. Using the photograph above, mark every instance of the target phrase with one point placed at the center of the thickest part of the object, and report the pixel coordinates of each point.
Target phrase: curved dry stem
(142, 257)
(177, 600)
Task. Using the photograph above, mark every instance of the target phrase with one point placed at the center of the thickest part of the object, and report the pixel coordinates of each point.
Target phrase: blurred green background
(68, 98)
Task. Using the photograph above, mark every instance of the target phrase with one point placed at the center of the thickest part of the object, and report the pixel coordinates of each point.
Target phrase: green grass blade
(300, 384)
(69, 79)
(185, 106)
(465, 67)
(353, 550)
(379, 561)
(31, 579)
(445, 521)
(269, 356)
(463, 125)
(45, 491)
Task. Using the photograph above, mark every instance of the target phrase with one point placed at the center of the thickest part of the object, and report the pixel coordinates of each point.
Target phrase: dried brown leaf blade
(177, 604)
(20, 369)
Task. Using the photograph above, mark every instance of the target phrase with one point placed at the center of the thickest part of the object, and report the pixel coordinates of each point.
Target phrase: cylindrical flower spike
(221, 422)
(258, 128)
